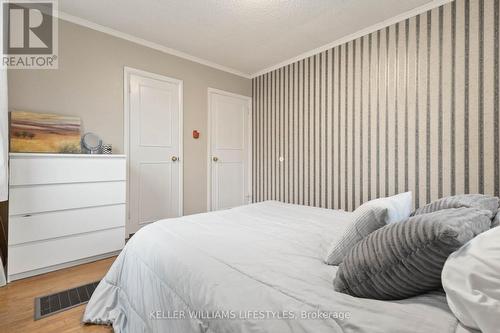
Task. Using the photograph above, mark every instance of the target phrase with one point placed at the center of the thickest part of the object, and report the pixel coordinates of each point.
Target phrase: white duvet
(256, 268)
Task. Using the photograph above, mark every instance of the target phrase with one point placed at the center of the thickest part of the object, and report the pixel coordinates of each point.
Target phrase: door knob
(215, 158)
(175, 158)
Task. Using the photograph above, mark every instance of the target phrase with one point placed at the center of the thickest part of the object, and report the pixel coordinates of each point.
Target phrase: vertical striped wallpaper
(414, 106)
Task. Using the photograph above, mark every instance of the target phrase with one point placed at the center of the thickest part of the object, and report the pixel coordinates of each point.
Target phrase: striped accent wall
(414, 106)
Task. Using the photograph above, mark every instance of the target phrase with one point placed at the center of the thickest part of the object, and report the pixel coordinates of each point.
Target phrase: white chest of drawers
(64, 210)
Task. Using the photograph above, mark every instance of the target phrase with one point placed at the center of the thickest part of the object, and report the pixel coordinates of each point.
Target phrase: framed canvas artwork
(32, 132)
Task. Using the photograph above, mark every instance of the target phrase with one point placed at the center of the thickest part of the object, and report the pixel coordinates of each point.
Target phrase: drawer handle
(27, 215)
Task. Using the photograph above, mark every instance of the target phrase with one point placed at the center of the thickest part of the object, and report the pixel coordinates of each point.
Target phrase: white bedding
(265, 257)
(472, 283)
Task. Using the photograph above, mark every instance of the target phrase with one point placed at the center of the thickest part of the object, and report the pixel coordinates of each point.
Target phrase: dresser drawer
(35, 170)
(32, 256)
(46, 198)
(23, 229)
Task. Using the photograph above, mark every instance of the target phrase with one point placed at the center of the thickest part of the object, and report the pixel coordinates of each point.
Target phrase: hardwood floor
(17, 300)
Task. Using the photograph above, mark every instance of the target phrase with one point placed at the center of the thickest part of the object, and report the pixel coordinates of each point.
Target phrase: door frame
(211, 91)
(127, 72)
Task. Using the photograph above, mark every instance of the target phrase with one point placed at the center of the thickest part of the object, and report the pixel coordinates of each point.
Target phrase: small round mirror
(91, 143)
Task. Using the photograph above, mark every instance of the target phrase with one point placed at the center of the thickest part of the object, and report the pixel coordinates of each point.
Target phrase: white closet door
(155, 165)
(229, 150)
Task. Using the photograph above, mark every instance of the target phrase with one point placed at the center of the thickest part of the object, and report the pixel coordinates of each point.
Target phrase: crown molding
(94, 26)
(411, 13)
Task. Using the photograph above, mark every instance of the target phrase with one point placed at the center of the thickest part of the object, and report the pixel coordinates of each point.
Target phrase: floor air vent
(63, 300)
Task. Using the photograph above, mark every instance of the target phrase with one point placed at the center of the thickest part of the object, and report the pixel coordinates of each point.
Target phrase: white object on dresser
(64, 210)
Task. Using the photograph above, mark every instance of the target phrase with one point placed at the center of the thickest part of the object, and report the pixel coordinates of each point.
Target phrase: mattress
(256, 268)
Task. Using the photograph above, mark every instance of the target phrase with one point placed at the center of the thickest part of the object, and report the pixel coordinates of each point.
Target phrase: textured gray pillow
(365, 220)
(496, 221)
(406, 259)
(479, 201)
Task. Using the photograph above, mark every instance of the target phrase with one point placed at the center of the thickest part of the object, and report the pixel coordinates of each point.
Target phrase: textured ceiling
(245, 35)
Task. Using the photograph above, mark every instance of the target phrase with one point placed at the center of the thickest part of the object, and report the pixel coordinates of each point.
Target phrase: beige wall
(89, 84)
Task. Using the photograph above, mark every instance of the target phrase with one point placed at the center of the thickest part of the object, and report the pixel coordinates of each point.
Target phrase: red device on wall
(196, 134)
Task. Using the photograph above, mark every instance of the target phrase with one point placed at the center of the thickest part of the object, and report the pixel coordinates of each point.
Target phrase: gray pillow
(479, 201)
(406, 259)
(496, 221)
(365, 220)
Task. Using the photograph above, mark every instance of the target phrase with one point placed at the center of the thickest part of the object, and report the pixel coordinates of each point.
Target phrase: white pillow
(367, 218)
(471, 280)
(399, 206)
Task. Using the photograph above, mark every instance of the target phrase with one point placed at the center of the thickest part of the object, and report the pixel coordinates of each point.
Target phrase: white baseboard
(3, 282)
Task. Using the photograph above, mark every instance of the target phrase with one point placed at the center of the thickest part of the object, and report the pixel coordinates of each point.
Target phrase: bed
(256, 268)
